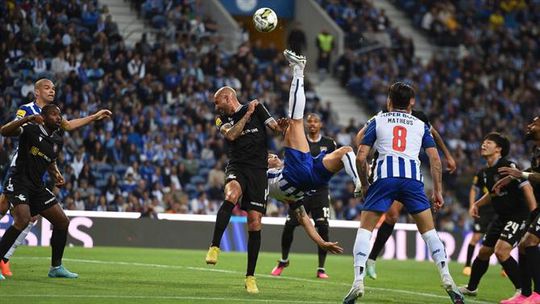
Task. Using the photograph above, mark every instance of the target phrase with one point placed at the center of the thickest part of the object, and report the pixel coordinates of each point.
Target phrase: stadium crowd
(490, 83)
(161, 152)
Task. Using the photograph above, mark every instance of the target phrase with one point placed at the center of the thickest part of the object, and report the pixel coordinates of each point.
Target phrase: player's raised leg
(295, 137)
(343, 158)
(60, 223)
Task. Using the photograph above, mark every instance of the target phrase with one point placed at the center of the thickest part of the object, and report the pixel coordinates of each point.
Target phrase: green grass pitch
(134, 275)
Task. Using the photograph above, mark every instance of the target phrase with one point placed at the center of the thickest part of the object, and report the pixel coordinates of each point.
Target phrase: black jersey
(511, 201)
(324, 144)
(250, 149)
(481, 187)
(36, 151)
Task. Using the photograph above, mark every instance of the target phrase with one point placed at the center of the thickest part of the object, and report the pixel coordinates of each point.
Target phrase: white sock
(20, 239)
(361, 253)
(437, 250)
(297, 97)
(349, 163)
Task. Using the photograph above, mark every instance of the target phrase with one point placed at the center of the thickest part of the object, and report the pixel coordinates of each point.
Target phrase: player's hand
(438, 200)
(503, 182)
(515, 172)
(251, 106)
(473, 211)
(331, 247)
(102, 114)
(36, 118)
(283, 124)
(451, 165)
(59, 180)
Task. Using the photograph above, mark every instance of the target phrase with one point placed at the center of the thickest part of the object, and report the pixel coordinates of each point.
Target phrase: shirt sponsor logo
(21, 197)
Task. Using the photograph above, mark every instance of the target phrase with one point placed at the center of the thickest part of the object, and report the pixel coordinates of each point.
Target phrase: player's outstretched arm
(303, 219)
(532, 177)
(436, 175)
(14, 128)
(233, 132)
(70, 125)
(452, 166)
(485, 199)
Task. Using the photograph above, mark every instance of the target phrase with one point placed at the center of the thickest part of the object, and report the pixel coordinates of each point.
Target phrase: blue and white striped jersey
(398, 138)
(280, 189)
(26, 109)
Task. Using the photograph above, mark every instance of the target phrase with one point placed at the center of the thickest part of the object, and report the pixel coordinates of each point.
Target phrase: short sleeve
(219, 123)
(478, 181)
(427, 140)
(371, 133)
(263, 113)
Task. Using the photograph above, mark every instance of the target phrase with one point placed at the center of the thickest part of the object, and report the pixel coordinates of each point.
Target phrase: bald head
(44, 91)
(226, 101)
(226, 90)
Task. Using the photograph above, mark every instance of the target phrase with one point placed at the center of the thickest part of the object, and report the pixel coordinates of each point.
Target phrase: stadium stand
(161, 147)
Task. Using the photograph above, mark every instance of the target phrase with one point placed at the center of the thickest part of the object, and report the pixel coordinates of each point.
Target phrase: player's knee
(485, 253)
(21, 221)
(254, 225)
(232, 196)
(528, 241)
(4, 205)
(502, 253)
(346, 149)
(62, 223)
(391, 219)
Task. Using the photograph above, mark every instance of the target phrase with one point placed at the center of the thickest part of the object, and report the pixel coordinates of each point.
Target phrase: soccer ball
(265, 20)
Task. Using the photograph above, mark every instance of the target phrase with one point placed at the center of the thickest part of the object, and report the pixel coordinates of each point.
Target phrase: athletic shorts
(534, 226)
(254, 184)
(304, 171)
(509, 230)
(384, 191)
(481, 224)
(317, 205)
(39, 199)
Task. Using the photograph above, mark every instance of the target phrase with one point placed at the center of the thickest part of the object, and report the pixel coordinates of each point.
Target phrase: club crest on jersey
(323, 148)
(21, 197)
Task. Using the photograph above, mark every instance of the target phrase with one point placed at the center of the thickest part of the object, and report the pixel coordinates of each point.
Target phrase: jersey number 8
(399, 143)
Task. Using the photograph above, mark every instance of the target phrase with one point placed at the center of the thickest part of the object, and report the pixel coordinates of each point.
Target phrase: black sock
(511, 268)
(222, 220)
(58, 243)
(385, 231)
(479, 268)
(533, 262)
(254, 245)
(8, 239)
(470, 252)
(526, 285)
(286, 240)
(323, 232)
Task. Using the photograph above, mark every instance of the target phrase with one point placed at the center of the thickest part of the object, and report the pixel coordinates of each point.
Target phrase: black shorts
(254, 184)
(481, 224)
(534, 226)
(317, 205)
(39, 199)
(509, 230)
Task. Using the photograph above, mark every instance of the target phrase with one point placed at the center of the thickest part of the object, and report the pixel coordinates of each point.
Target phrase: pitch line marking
(423, 294)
